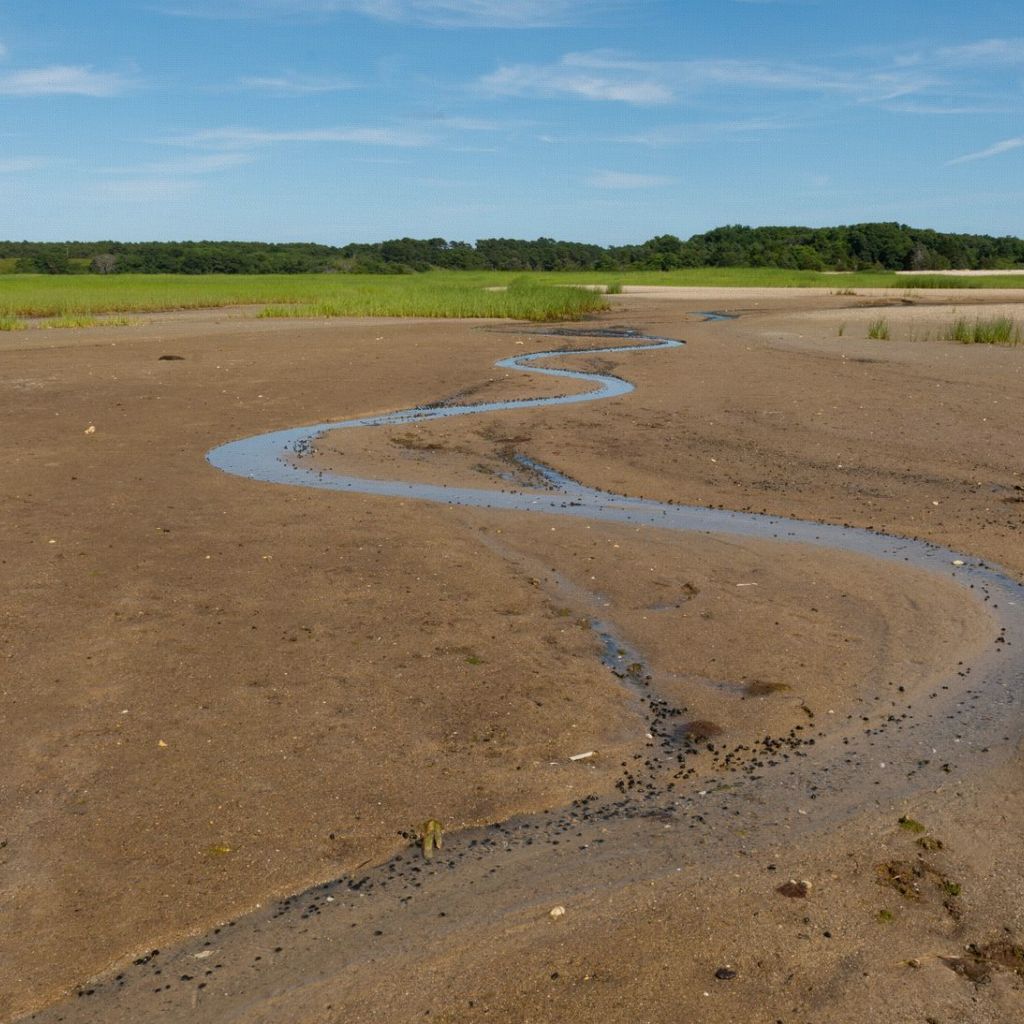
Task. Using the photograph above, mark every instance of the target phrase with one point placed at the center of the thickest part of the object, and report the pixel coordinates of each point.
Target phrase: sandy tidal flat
(219, 692)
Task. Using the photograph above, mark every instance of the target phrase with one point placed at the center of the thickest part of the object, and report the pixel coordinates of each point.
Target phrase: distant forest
(855, 247)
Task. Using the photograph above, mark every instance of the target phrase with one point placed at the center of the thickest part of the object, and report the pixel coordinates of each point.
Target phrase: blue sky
(593, 120)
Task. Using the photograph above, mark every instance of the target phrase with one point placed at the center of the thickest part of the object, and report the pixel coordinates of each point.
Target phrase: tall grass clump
(10, 323)
(999, 330)
(613, 288)
(879, 329)
(522, 299)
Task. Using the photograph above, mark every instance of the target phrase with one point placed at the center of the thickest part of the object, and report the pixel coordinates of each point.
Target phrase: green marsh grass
(10, 323)
(879, 329)
(71, 321)
(954, 281)
(999, 330)
(522, 300)
(437, 293)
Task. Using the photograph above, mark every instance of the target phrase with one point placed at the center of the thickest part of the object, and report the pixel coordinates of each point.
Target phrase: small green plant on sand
(615, 288)
(910, 825)
(879, 329)
(885, 916)
(1000, 330)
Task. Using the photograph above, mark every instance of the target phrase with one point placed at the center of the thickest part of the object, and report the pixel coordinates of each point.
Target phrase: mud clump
(794, 890)
(913, 878)
(981, 962)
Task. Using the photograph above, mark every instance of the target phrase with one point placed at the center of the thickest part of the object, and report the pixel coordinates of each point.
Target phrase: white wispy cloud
(700, 132)
(862, 85)
(441, 13)
(295, 85)
(938, 109)
(606, 75)
(238, 138)
(626, 180)
(595, 76)
(1006, 146)
(471, 124)
(63, 79)
(1005, 51)
(192, 165)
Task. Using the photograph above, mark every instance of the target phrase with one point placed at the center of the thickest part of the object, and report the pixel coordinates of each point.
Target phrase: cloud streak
(608, 76)
(590, 76)
(295, 85)
(439, 13)
(193, 165)
(236, 138)
(1006, 146)
(986, 52)
(62, 80)
(661, 136)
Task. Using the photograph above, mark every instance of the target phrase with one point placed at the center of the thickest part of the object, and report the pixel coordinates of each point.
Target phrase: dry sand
(217, 692)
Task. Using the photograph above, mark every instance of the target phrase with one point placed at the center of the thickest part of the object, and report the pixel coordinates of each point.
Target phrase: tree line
(881, 246)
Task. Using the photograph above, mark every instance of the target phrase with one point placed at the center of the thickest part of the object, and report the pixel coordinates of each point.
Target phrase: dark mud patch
(698, 731)
(764, 688)
(916, 879)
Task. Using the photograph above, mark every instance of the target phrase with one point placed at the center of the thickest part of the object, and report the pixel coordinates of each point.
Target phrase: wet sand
(223, 692)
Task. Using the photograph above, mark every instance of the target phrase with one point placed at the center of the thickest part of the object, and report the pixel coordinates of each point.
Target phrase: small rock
(556, 912)
(89, 429)
(726, 973)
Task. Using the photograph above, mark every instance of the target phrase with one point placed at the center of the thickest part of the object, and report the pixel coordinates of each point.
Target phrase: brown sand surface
(217, 691)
